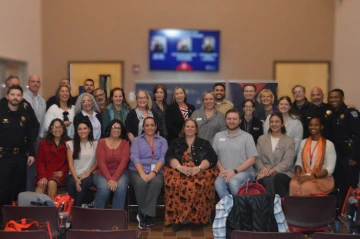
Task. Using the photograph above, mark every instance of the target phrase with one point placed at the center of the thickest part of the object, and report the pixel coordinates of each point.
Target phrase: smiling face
(57, 130)
(275, 124)
(14, 97)
(284, 106)
(232, 121)
(142, 99)
(86, 103)
(190, 129)
(115, 130)
(159, 94)
(249, 92)
(335, 99)
(315, 127)
(179, 96)
(299, 93)
(83, 131)
(219, 92)
(317, 96)
(265, 98)
(117, 98)
(64, 94)
(209, 101)
(34, 83)
(248, 108)
(149, 127)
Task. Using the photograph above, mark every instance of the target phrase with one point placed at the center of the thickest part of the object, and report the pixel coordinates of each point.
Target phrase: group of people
(292, 148)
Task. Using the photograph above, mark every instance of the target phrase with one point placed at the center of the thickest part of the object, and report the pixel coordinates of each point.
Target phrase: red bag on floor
(64, 203)
(27, 224)
(251, 188)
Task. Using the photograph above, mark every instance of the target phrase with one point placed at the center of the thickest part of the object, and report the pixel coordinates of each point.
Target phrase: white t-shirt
(274, 142)
(86, 156)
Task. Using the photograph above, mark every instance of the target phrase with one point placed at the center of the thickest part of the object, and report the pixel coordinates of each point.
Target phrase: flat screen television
(184, 50)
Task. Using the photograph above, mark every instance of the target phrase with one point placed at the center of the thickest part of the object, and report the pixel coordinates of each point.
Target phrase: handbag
(27, 225)
(252, 187)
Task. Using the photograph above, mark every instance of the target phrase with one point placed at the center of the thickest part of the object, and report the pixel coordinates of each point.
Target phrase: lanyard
(312, 153)
(152, 150)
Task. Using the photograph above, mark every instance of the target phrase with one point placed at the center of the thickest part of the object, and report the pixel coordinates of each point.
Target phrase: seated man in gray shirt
(236, 152)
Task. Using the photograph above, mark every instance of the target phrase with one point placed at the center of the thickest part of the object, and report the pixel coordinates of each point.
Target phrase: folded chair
(265, 235)
(26, 234)
(91, 234)
(322, 235)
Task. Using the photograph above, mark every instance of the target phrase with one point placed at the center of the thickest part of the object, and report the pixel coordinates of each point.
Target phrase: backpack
(34, 199)
(64, 203)
(249, 188)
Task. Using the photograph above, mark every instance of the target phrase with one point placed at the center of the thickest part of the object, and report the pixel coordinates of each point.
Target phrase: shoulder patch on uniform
(354, 113)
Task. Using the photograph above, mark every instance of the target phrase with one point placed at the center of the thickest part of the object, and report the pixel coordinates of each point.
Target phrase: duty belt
(10, 151)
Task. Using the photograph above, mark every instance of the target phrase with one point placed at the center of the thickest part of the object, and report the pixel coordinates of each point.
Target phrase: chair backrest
(91, 234)
(101, 219)
(26, 234)
(265, 235)
(323, 235)
(40, 214)
(310, 212)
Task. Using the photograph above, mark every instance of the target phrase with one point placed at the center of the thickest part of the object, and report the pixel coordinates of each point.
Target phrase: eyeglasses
(116, 128)
(56, 127)
(86, 102)
(248, 107)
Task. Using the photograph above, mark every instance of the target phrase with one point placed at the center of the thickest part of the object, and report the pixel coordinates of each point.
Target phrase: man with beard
(100, 97)
(236, 151)
(344, 129)
(222, 104)
(15, 142)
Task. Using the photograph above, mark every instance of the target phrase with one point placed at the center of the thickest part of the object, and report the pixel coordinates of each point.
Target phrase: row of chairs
(288, 235)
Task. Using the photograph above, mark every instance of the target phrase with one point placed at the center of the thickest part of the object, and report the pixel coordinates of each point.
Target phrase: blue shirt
(141, 152)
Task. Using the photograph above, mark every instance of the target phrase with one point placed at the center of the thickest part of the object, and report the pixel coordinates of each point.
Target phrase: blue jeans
(222, 188)
(103, 191)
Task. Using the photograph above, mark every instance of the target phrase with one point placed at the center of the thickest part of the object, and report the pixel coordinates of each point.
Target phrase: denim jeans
(103, 191)
(70, 187)
(222, 188)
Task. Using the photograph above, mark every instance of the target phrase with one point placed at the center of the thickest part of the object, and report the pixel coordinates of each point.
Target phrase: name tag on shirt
(152, 167)
(221, 139)
(198, 119)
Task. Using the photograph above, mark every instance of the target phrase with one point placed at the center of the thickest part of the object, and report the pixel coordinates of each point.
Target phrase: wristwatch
(235, 171)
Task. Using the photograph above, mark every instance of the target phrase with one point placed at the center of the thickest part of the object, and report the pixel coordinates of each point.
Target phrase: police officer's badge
(354, 113)
(328, 113)
(25, 105)
(5, 121)
(342, 116)
(23, 118)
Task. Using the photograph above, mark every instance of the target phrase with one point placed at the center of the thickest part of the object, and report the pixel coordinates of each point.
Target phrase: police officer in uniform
(344, 132)
(15, 143)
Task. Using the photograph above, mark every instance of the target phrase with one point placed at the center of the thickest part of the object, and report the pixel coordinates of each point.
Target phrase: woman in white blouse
(82, 163)
(293, 125)
(62, 109)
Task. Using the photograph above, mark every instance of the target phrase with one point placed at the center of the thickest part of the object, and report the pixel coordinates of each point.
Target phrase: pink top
(112, 162)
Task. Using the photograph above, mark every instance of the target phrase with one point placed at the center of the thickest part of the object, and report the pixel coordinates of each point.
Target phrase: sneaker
(141, 219)
(149, 221)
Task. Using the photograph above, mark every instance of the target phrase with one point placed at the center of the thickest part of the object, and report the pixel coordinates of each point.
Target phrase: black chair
(265, 235)
(100, 219)
(323, 235)
(40, 214)
(90, 234)
(310, 212)
(25, 234)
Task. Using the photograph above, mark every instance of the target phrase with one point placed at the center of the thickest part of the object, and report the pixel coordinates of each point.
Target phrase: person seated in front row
(315, 163)
(52, 164)
(189, 178)
(112, 156)
(276, 152)
(147, 158)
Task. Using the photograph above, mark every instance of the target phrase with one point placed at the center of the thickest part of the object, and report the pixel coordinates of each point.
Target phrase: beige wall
(347, 50)
(20, 38)
(254, 33)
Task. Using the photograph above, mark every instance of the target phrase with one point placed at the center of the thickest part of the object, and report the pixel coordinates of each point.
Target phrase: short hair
(219, 84)
(149, 103)
(296, 86)
(182, 132)
(233, 110)
(96, 89)
(264, 91)
(278, 114)
(339, 91)
(89, 80)
(160, 86)
(249, 84)
(248, 100)
(9, 78)
(15, 87)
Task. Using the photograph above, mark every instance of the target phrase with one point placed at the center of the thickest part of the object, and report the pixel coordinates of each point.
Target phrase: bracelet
(177, 168)
(200, 168)
(154, 172)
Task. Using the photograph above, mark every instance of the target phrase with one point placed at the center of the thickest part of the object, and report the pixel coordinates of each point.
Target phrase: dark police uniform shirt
(305, 113)
(344, 131)
(15, 130)
(320, 112)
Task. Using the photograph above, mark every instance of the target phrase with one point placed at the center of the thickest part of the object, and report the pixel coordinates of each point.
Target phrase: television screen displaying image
(184, 50)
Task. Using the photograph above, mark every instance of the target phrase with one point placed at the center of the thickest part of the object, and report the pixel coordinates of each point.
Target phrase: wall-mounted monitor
(184, 50)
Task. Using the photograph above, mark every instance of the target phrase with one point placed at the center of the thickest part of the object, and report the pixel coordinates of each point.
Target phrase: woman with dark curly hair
(112, 156)
(52, 164)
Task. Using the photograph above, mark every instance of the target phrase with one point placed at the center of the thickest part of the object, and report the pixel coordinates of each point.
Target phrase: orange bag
(27, 224)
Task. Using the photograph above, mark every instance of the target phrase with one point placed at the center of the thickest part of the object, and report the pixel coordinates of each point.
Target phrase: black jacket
(132, 122)
(175, 120)
(256, 129)
(201, 150)
(305, 112)
(80, 117)
(252, 213)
